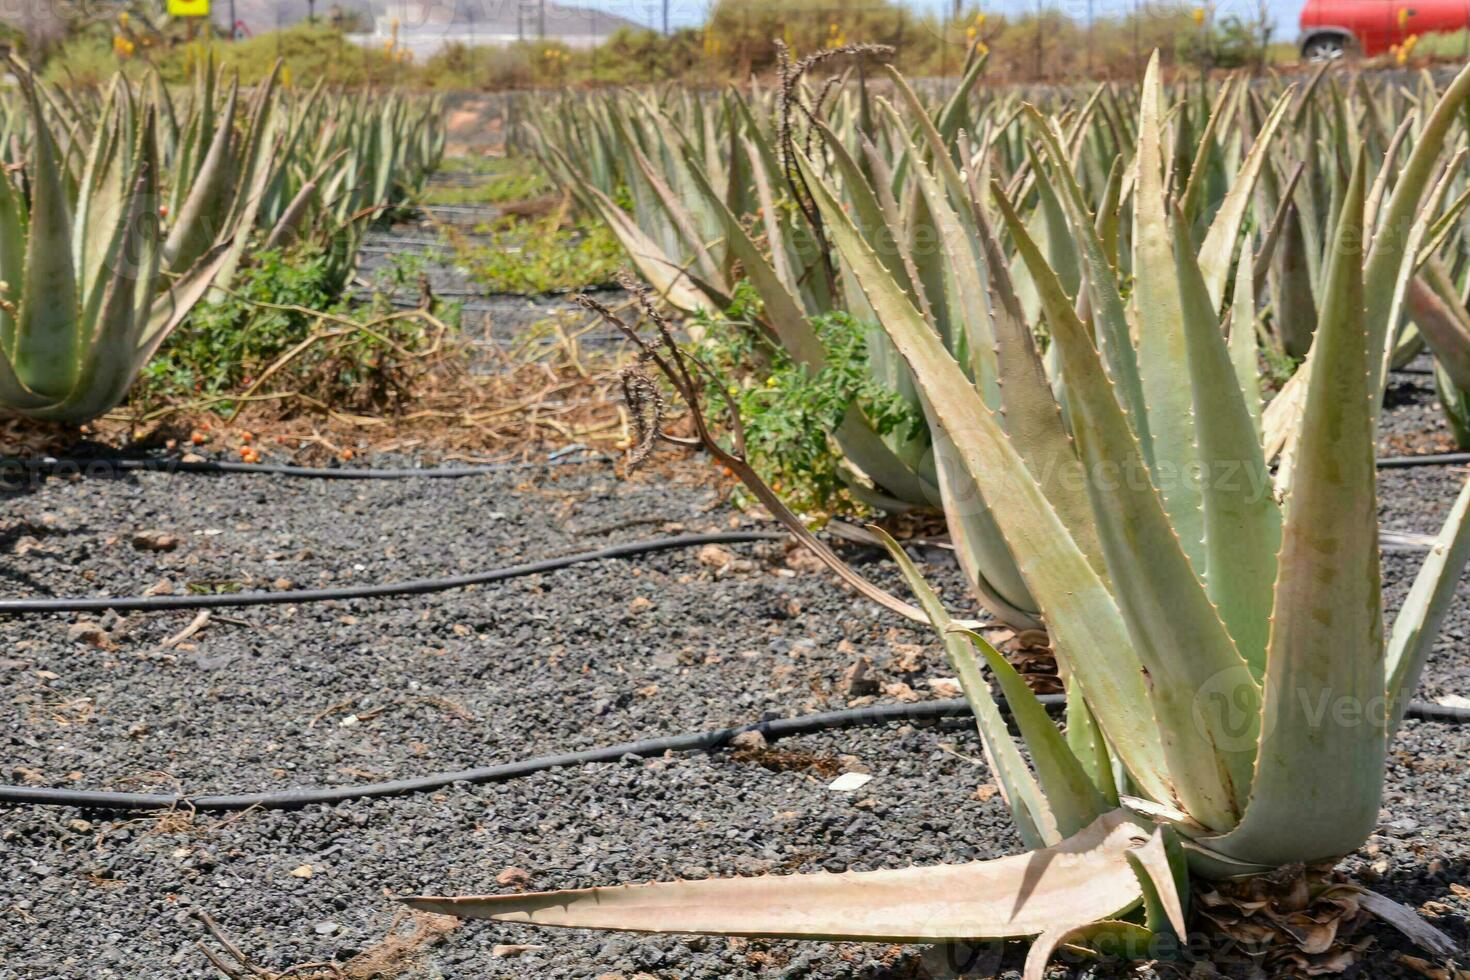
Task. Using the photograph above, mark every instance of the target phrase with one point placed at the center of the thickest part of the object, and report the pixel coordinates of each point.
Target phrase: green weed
(225, 345)
(542, 255)
(788, 412)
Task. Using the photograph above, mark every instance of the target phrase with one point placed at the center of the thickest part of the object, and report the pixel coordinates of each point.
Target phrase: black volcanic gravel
(277, 697)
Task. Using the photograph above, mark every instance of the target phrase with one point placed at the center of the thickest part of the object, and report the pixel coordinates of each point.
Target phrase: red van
(1333, 28)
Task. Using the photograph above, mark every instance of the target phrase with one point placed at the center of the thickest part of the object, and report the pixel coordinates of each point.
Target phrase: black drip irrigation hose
(699, 741)
(111, 466)
(571, 456)
(412, 587)
(295, 799)
(1428, 459)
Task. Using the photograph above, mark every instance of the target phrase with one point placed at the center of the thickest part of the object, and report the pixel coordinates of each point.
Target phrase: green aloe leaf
(1032, 808)
(1242, 521)
(1170, 450)
(1391, 239)
(1111, 319)
(1177, 632)
(1216, 254)
(48, 328)
(1319, 773)
(1068, 788)
(1418, 620)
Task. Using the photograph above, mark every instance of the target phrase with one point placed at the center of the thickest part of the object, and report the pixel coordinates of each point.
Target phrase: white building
(426, 26)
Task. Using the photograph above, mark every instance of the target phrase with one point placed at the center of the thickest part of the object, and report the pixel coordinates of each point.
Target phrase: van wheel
(1325, 47)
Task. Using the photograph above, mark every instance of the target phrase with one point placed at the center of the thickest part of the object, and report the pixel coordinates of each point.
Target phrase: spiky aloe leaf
(666, 276)
(955, 248)
(952, 115)
(288, 225)
(1082, 880)
(1033, 420)
(783, 310)
(1391, 240)
(1081, 615)
(1455, 402)
(168, 310)
(1218, 250)
(935, 143)
(13, 233)
(107, 355)
(1170, 449)
(678, 214)
(1163, 602)
(867, 211)
(1444, 324)
(1207, 151)
(1242, 521)
(1418, 620)
(1113, 329)
(1067, 786)
(201, 219)
(1319, 772)
(1163, 875)
(979, 544)
(47, 334)
(1242, 342)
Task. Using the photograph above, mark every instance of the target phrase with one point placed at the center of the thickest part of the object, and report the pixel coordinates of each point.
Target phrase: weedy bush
(790, 410)
(508, 180)
(541, 254)
(225, 344)
(1231, 690)
(287, 332)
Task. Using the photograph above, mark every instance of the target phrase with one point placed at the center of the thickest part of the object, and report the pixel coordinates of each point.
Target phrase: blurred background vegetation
(736, 41)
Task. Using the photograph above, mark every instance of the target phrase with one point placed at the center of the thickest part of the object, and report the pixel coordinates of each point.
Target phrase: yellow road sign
(188, 8)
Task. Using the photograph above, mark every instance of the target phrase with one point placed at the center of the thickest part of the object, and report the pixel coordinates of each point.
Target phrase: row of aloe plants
(702, 195)
(1082, 332)
(122, 210)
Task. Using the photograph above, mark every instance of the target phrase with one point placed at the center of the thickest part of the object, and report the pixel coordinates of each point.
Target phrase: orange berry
(347, 454)
(246, 437)
(197, 438)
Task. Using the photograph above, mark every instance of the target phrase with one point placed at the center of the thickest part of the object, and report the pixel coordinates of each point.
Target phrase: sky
(690, 13)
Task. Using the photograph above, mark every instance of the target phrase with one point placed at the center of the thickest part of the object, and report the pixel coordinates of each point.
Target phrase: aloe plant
(1200, 633)
(119, 213)
(87, 296)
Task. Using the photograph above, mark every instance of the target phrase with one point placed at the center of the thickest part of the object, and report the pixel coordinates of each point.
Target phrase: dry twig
(687, 373)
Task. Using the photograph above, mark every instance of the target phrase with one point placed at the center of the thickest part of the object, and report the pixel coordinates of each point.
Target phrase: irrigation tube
(1428, 459)
(570, 456)
(295, 799)
(99, 466)
(412, 587)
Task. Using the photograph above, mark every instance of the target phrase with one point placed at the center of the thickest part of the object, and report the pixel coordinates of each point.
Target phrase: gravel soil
(1413, 421)
(294, 696)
